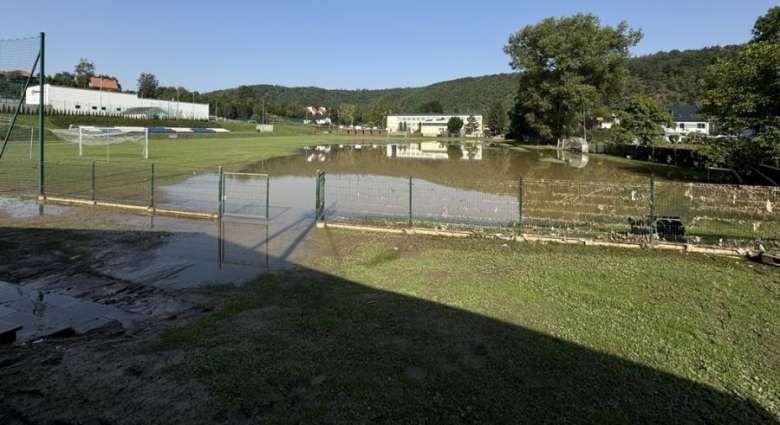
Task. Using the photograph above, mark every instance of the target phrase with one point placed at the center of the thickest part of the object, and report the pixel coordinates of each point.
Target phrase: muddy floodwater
(443, 161)
(93, 255)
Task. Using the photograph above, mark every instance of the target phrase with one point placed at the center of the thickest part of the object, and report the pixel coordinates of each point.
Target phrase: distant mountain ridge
(670, 77)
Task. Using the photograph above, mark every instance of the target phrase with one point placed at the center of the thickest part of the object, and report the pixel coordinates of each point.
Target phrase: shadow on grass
(306, 346)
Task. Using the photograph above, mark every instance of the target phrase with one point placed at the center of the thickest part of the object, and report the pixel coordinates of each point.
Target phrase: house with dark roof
(687, 119)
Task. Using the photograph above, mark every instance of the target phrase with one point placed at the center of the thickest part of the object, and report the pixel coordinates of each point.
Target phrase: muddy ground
(102, 375)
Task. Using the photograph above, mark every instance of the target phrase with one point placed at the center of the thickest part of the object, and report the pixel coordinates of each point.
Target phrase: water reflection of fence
(680, 212)
(227, 243)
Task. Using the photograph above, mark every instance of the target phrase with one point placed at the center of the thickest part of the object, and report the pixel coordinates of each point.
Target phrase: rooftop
(686, 113)
(104, 83)
(433, 115)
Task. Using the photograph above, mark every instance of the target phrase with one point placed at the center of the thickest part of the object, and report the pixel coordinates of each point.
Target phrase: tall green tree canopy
(744, 94)
(63, 79)
(471, 125)
(83, 72)
(497, 118)
(147, 85)
(564, 64)
(346, 113)
(454, 125)
(767, 27)
(642, 119)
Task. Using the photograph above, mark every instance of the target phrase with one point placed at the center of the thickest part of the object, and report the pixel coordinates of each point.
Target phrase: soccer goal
(105, 136)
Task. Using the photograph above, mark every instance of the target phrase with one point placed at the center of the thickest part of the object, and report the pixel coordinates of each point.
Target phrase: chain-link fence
(674, 212)
(161, 187)
(245, 195)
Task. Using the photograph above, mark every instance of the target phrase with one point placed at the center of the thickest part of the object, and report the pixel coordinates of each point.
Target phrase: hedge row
(64, 121)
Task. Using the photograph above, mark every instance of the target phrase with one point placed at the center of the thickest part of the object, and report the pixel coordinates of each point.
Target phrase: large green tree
(497, 118)
(346, 113)
(643, 120)
(378, 111)
(742, 95)
(767, 27)
(83, 72)
(454, 125)
(147, 85)
(471, 125)
(63, 79)
(564, 64)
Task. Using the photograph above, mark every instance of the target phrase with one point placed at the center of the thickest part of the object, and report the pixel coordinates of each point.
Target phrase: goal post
(105, 136)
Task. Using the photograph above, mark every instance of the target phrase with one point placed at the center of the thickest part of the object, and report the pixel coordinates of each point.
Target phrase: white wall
(412, 121)
(690, 127)
(106, 102)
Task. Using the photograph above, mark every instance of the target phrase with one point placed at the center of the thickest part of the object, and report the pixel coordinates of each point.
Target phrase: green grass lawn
(384, 328)
(240, 147)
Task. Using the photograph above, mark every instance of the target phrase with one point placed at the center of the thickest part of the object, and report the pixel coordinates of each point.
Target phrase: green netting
(20, 68)
(17, 57)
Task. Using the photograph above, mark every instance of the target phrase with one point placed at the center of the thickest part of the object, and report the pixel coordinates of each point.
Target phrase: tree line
(574, 66)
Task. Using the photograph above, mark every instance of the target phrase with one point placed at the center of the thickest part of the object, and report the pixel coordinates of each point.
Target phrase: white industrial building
(430, 125)
(104, 102)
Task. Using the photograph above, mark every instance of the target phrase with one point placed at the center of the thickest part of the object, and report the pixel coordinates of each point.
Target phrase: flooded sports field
(259, 215)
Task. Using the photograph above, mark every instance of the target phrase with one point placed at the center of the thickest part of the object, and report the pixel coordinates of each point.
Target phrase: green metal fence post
(93, 180)
(520, 195)
(42, 82)
(410, 201)
(652, 208)
(268, 197)
(219, 194)
(317, 198)
(151, 195)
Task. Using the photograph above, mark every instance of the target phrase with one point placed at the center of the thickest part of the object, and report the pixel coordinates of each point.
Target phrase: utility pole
(178, 111)
(584, 131)
(101, 95)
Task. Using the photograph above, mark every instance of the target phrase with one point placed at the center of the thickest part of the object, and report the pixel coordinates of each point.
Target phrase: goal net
(574, 144)
(20, 69)
(105, 136)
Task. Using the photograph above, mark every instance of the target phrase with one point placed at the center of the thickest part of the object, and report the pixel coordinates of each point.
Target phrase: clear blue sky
(207, 45)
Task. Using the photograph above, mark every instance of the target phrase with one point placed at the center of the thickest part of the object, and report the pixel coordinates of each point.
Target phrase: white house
(687, 120)
(430, 125)
(106, 102)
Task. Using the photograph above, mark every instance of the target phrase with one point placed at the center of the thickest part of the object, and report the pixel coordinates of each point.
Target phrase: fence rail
(726, 215)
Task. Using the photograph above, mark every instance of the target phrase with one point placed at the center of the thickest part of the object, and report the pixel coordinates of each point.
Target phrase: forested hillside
(670, 77)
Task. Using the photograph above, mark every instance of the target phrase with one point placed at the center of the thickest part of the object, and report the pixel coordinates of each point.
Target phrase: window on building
(78, 106)
(119, 109)
(682, 126)
(102, 108)
(94, 108)
(701, 126)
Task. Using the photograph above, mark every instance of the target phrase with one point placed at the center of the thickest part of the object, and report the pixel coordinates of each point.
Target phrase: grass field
(425, 330)
(242, 146)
